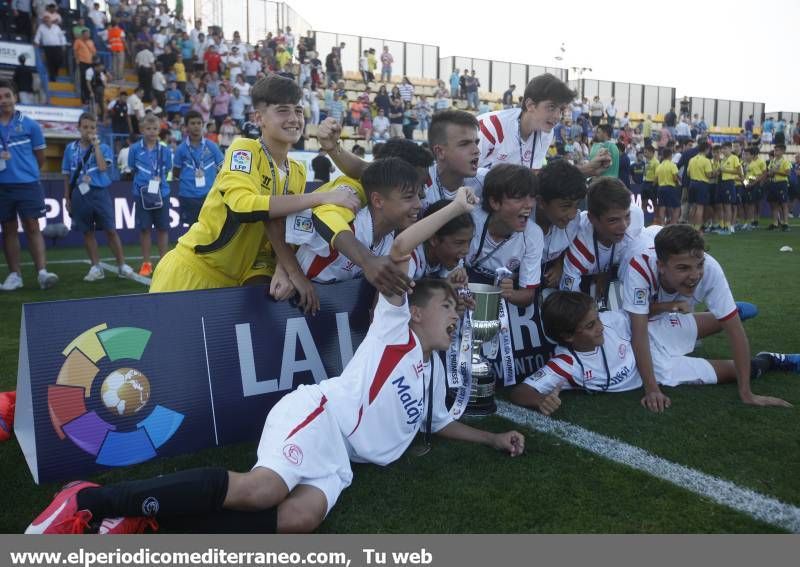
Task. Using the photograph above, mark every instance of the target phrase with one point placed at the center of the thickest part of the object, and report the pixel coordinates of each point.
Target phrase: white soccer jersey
(521, 253)
(434, 191)
(422, 268)
(575, 370)
(556, 240)
(380, 399)
(322, 263)
(641, 287)
(587, 255)
(500, 141)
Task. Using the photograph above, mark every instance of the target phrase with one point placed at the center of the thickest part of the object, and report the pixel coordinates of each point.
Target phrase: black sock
(196, 491)
(759, 365)
(223, 522)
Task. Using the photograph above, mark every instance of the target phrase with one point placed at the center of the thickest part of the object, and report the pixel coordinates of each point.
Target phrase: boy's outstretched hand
(466, 199)
(510, 441)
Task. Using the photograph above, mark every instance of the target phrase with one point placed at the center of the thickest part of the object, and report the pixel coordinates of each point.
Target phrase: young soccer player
(393, 386)
(755, 173)
(503, 236)
(21, 157)
(649, 187)
(608, 232)
(778, 189)
(666, 283)
(150, 161)
(730, 169)
(523, 135)
(713, 212)
(595, 353)
(257, 185)
(443, 254)
(393, 203)
(561, 189)
(699, 171)
(86, 166)
(197, 161)
(669, 193)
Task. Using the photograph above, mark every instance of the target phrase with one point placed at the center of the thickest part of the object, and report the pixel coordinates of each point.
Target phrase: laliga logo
(124, 392)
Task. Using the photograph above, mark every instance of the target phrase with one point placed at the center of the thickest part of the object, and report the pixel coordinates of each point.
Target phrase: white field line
(79, 261)
(755, 505)
(106, 266)
(134, 276)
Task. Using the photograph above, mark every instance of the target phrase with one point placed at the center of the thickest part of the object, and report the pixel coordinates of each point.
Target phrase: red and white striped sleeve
(638, 286)
(557, 372)
(578, 262)
(490, 134)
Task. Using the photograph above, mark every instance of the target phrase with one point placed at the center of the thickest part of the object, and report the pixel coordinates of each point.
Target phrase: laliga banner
(116, 381)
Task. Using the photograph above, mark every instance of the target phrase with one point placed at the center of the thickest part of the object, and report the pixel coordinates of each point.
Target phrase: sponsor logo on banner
(242, 160)
(117, 429)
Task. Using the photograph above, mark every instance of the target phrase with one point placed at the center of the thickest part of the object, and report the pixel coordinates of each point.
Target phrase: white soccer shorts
(672, 337)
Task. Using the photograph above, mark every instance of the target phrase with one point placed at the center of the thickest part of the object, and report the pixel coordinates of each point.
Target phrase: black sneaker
(772, 227)
(785, 228)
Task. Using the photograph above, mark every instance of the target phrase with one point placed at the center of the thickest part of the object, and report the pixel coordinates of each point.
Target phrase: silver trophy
(485, 327)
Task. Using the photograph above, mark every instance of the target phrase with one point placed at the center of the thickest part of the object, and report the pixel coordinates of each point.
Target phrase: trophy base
(481, 409)
(481, 399)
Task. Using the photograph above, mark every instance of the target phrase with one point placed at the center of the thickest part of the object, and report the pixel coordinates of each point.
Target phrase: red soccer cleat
(132, 525)
(62, 515)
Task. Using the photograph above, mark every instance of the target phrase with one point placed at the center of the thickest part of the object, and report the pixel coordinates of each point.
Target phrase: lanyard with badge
(522, 146)
(199, 172)
(477, 262)
(272, 170)
(441, 188)
(80, 166)
(583, 371)
(5, 138)
(603, 301)
(151, 198)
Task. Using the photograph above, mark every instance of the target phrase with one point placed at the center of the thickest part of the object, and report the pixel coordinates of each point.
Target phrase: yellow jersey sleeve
(330, 220)
(244, 182)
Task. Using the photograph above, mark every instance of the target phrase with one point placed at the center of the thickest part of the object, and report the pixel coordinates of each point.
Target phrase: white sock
(43, 272)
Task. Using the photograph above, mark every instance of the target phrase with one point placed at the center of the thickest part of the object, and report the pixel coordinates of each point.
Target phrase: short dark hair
(727, 145)
(607, 128)
(666, 153)
(677, 239)
(387, 173)
(702, 146)
(563, 311)
(453, 225)
(275, 90)
(752, 150)
(508, 180)
(192, 114)
(780, 147)
(560, 179)
(86, 116)
(437, 131)
(406, 150)
(606, 193)
(424, 288)
(548, 87)
(8, 84)
(649, 148)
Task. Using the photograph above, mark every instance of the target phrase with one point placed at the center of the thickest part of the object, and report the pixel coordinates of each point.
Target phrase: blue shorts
(699, 192)
(146, 219)
(712, 193)
(669, 196)
(93, 211)
(23, 199)
(648, 193)
(752, 194)
(778, 192)
(726, 192)
(190, 209)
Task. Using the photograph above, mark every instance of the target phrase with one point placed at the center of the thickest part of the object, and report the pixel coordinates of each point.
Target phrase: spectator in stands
(423, 110)
(50, 38)
(406, 90)
(85, 51)
(23, 78)
(576, 106)
(601, 140)
(125, 172)
(670, 121)
(322, 167)
(238, 105)
(50, 12)
(682, 131)
(250, 129)
(382, 101)
(472, 83)
(160, 85)
(212, 59)
(386, 65)
(462, 85)
(454, 84)
(380, 127)
(396, 118)
(365, 125)
(115, 39)
(145, 65)
(21, 11)
(173, 100)
(119, 116)
(97, 79)
(647, 130)
(596, 112)
(311, 96)
(201, 102)
(235, 62)
(372, 63)
(483, 107)
(336, 109)
(508, 97)
(251, 68)
(611, 114)
(221, 106)
(409, 121)
(136, 108)
(332, 67)
(363, 67)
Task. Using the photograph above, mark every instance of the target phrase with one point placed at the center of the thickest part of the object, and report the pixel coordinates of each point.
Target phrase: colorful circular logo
(125, 392)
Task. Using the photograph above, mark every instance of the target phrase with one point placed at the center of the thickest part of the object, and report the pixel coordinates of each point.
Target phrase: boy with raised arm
(393, 386)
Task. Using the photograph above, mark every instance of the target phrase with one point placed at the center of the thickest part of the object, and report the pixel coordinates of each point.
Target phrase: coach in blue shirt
(21, 155)
(197, 161)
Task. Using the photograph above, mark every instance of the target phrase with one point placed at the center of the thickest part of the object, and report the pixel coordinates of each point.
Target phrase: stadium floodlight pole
(579, 70)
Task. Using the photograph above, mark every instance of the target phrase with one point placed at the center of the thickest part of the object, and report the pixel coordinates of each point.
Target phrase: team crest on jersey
(242, 160)
(623, 349)
(568, 281)
(639, 296)
(527, 155)
(502, 157)
(303, 224)
(513, 264)
(293, 454)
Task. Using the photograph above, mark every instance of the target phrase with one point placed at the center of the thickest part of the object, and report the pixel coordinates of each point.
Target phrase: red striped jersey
(556, 240)
(500, 141)
(587, 256)
(641, 287)
(379, 401)
(574, 370)
(434, 192)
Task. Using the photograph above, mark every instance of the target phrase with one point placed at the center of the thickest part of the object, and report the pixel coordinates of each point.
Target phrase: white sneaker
(95, 273)
(125, 271)
(47, 279)
(13, 281)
